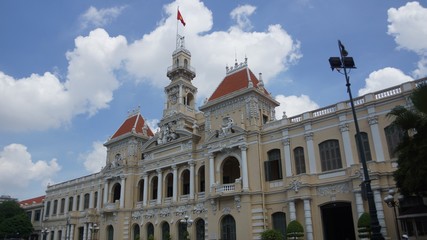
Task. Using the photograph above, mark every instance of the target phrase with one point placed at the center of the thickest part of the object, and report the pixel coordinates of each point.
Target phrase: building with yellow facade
(230, 170)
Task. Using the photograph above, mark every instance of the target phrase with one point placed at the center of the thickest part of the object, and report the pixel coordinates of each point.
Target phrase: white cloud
(98, 18)
(384, 78)
(241, 15)
(155, 48)
(94, 161)
(18, 171)
(91, 78)
(408, 26)
(294, 105)
(41, 102)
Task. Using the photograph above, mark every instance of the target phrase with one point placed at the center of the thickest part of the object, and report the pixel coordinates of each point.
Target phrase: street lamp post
(45, 231)
(187, 221)
(344, 62)
(94, 230)
(389, 199)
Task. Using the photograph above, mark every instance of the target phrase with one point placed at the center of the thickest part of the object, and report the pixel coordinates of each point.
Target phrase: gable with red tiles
(135, 124)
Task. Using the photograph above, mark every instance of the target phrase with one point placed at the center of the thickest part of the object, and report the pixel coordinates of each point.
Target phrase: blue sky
(71, 70)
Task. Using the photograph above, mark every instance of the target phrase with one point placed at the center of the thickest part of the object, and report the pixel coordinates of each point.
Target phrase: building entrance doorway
(337, 219)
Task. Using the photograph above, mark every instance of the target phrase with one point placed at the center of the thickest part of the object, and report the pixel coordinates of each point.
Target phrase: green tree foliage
(412, 150)
(14, 221)
(271, 234)
(364, 226)
(294, 230)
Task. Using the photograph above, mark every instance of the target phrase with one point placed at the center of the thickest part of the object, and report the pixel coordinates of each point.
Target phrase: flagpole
(176, 42)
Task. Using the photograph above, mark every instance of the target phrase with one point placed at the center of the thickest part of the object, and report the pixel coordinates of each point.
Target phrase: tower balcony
(181, 70)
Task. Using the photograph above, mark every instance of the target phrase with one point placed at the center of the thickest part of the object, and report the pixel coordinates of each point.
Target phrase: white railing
(230, 187)
(324, 111)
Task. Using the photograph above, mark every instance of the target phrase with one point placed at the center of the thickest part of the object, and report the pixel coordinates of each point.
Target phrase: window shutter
(267, 170)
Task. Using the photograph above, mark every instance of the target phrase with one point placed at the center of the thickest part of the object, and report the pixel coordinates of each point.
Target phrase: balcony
(111, 207)
(181, 70)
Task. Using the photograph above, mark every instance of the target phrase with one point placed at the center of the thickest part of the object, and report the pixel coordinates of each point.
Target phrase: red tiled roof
(32, 200)
(134, 124)
(234, 82)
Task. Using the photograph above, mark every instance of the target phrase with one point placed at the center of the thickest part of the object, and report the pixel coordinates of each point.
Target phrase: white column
(91, 199)
(244, 168)
(211, 171)
(67, 202)
(359, 203)
(44, 212)
(122, 192)
(145, 194)
(310, 150)
(159, 186)
(175, 183)
(308, 222)
(72, 231)
(287, 150)
(380, 211)
(347, 145)
(89, 232)
(75, 202)
(52, 204)
(191, 163)
(378, 146)
(85, 231)
(58, 210)
(292, 211)
(98, 203)
(180, 94)
(82, 200)
(105, 192)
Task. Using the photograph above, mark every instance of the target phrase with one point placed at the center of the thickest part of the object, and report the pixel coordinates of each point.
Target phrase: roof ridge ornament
(134, 112)
(236, 67)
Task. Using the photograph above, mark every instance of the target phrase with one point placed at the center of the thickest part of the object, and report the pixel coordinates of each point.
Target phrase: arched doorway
(228, 228)
(150, 230)
(136, 232)
(116, 192)
(230, 170)
(337, 220)
(200, 229)
(110, 232)
(165, 231)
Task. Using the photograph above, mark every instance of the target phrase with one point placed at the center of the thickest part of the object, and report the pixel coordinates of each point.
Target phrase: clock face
(173, 98)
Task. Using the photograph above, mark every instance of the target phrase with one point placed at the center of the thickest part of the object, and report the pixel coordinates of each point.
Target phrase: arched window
(116, 192)
(70, 204)
(330, 156)
(141, 190)
(182, 231)
(273, 166)
(61, 210)
(185, 179)
(366, 148)
(110, 232)
(150, 230)
(46, 213)
(230, 170)
(201, 178)
(78, 203)
(95, 201)
(299, 160)
(279, 222)
(200, 229)
(165, 231)
(136, 232)
(86, 201)
(154, 188)
(185, 63)
(55, 207)
(169, 185)
(393, 135)
(228, 228)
